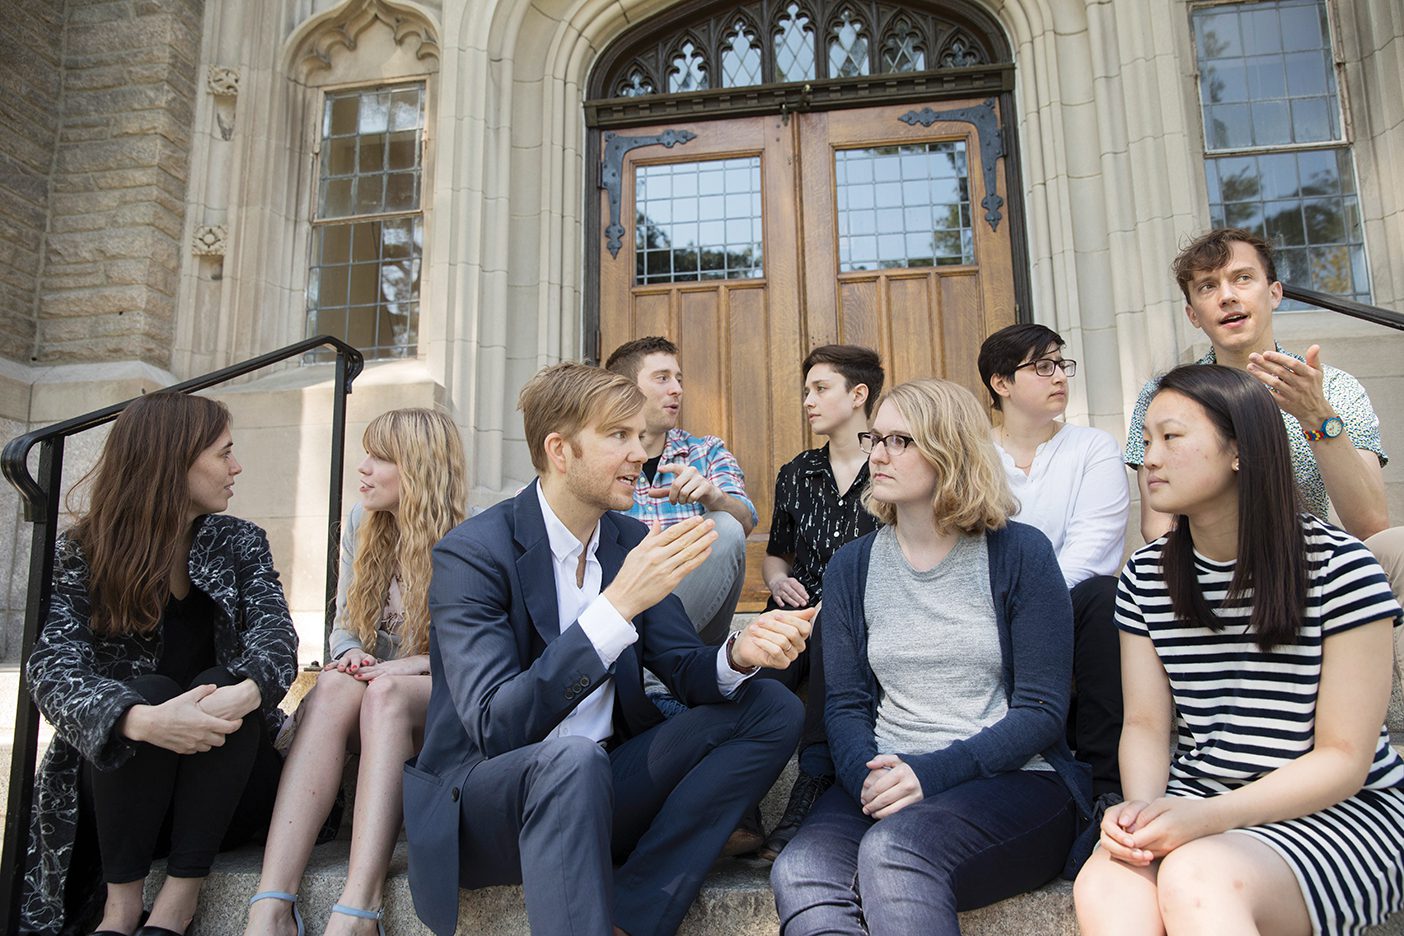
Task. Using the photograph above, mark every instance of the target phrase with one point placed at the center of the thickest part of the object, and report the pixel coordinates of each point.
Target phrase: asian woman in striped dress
(1261, 636)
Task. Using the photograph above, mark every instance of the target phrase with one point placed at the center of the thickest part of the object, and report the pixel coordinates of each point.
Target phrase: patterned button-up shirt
(709, 456)
(1344, 394)
(813, 518)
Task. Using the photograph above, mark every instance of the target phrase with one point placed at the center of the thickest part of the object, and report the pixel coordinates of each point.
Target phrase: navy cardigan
(1034, 614)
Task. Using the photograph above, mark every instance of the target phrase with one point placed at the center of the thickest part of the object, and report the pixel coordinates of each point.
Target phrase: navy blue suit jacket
(504, 674)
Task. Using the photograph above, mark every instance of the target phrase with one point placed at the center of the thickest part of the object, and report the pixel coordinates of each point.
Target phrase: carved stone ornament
(342, 30)
(987, 130)
(221, 81)
(209, 240)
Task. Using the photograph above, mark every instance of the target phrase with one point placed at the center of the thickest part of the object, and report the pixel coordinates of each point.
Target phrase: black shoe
(806, 790)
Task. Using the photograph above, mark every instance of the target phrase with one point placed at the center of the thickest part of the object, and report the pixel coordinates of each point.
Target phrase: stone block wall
(121, 161)
(31, 43)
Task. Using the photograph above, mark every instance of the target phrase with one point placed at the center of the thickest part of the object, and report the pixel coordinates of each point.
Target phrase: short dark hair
(1271, 567)
(857, 364)
(1006, 349)
(628, 357)
(1212, 250)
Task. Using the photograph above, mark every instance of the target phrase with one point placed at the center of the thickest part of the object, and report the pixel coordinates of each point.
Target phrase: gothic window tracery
(764, 42)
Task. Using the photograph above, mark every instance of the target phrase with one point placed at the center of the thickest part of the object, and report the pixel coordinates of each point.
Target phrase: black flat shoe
(156, 931)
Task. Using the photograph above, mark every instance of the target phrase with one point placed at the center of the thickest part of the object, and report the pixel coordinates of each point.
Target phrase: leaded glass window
(1277, 161)
(902, 50)
(636, 84)
(741, 57)
(903, 206)
(794, 46)
(367, 235)
(848, 47)
(698, 221)
(794, 42)
(689, 71)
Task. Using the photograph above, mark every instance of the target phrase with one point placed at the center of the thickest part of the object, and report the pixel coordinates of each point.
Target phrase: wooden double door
(750, 241)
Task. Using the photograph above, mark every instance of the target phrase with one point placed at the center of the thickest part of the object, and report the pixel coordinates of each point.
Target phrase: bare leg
(311, 778)
(123, 907)
(1113, 897)
(175, 904)
(1230, 884)
(392, 728)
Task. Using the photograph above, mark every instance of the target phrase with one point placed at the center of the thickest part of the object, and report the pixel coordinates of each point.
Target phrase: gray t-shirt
(933, 644)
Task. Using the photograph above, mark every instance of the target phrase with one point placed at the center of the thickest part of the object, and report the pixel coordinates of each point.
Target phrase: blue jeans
(910, 873)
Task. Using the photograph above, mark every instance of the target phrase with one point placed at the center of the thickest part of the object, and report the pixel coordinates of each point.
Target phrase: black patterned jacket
(77, 681)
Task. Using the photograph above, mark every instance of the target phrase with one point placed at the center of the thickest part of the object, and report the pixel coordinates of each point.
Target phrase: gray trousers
(710, 593)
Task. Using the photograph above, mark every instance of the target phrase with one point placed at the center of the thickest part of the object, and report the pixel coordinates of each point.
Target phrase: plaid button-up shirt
(710, 457)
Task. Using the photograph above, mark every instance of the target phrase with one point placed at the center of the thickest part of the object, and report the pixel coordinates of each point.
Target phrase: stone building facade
(163, 172)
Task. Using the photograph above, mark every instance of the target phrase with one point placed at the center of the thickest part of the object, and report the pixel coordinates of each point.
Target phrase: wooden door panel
(926, 320)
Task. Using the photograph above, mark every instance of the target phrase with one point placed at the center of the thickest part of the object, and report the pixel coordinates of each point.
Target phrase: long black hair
(1271, 568)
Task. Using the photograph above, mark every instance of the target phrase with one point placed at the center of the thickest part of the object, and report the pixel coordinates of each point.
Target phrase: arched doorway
(783, 174)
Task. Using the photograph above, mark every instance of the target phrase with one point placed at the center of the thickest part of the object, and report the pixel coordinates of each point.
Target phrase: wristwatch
(1331, 427)
(732, 663)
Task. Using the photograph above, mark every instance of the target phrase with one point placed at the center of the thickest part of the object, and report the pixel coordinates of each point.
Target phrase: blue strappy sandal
(376, 915)
(280, 895)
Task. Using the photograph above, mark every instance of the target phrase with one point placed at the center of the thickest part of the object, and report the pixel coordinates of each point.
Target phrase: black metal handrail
(41, 508)
(1360, 310)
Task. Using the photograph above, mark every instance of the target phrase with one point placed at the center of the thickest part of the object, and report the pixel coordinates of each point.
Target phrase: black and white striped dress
(1242, 712)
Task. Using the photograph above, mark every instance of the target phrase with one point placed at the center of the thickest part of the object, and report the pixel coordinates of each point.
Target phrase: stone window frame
(1343, 143)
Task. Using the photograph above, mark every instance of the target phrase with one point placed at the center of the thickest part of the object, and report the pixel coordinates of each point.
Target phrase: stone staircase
(736, 900)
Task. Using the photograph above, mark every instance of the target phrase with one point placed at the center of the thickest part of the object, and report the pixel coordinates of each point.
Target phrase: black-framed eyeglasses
(1043, 367)
(896, 442)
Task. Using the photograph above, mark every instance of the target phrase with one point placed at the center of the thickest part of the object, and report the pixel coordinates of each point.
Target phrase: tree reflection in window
(697, 221)
(741, 57)
(794, 46)
(689, 72)
(848, 49)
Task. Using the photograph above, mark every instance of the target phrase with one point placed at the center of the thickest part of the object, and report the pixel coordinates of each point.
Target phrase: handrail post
(22, 755)
(341, 388)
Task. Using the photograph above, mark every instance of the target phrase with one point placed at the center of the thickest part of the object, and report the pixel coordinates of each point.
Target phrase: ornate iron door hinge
(987, 129)
(612, 174)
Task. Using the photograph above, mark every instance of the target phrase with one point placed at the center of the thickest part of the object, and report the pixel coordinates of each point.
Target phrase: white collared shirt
(606, 629)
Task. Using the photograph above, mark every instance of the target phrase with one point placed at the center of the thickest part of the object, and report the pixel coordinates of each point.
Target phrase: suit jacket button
(453, 794)
(584, 681)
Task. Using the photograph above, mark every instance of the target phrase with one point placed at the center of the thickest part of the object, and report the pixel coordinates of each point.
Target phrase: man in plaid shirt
(686, 476)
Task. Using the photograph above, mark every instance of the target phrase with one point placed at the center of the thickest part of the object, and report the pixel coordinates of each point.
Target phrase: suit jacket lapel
(534, 568)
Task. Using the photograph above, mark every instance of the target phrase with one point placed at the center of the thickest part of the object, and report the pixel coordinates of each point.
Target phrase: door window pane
(698, 221)
(903, 206)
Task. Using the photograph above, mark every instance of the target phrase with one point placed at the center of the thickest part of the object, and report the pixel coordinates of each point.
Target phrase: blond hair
(951, 431)
(425, 447)
(567, 397)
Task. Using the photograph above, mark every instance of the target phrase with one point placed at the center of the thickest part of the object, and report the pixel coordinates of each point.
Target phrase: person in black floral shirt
(818, 508)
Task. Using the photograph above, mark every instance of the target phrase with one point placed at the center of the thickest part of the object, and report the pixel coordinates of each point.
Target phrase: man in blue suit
(543, 761)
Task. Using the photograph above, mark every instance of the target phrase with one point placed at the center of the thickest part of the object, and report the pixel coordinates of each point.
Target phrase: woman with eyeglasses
(955, 787)
(1256, 637)
(1071, 484)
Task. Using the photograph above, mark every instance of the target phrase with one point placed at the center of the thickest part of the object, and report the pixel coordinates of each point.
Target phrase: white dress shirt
(1077, 493)
(606, 629)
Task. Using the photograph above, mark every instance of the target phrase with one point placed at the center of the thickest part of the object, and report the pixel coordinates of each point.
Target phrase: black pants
(1094, 718)
(188, 807)
(814, 758)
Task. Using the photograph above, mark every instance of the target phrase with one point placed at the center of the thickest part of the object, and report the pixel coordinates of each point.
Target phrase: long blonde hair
(425, 447)
(950, 430)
